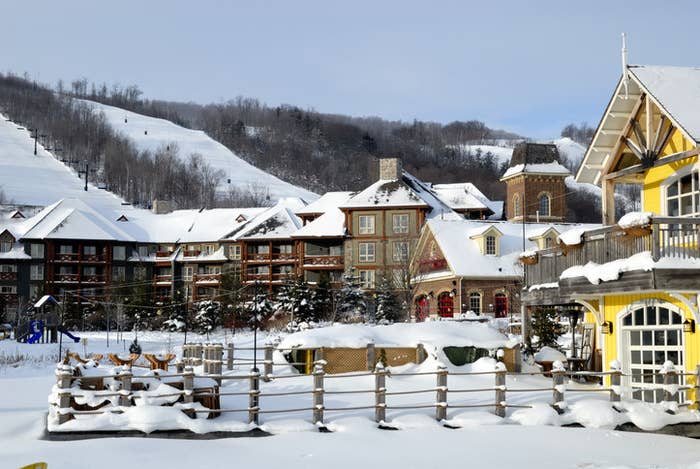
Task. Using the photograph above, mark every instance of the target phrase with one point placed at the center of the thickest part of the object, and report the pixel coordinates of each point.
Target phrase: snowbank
(438, 333)
(635, 219)
(572, 237)
(549, 354)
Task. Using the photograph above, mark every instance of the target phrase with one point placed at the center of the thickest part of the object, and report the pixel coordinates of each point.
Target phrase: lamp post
(574, 312)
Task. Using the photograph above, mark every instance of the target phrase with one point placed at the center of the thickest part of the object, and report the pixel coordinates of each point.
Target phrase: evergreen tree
(388, 307)
(177, 313)
(208, 316)
(546, 327)
(322, 298)
(260, 308)
(297, 300)
(351, 303)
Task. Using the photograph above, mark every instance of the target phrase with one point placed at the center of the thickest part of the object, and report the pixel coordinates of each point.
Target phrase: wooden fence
(65, 407)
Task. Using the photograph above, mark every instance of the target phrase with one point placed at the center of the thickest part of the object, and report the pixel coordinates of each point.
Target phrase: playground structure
(44, 326)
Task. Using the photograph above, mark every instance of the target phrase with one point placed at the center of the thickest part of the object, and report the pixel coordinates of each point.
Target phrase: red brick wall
(536, 185)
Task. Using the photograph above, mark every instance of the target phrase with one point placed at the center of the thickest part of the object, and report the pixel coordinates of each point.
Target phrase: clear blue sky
(526, 66)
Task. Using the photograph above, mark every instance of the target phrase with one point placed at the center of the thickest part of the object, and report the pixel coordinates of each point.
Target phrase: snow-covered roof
(553, 168)
(15, 253)
(385, 193)
(461, 196)
(437, 334)
(464, 256)
(326, 202)
(330, 224)
(276, 222)
(676, 90)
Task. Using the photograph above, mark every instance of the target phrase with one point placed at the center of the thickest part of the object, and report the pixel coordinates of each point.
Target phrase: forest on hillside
(320, 152)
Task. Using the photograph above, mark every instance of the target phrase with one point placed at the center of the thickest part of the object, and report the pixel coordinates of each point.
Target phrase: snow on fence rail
(199, 396)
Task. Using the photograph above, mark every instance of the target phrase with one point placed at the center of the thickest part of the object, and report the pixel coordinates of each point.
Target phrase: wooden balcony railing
(191, 252)
(162, 278)
(322, 261)
(67, 257)
(93, 279)
(266, 277)
(162, 254)
(8, 276)
(209, 279)
(665, 237)
(275, 256)
(67, 278)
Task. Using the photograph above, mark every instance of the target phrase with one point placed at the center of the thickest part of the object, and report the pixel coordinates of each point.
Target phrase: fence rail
(672, 237)
(68, 390)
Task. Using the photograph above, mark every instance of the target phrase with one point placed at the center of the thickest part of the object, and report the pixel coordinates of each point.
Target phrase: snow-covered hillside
(504, 149)
(40, 180)
(150, 133)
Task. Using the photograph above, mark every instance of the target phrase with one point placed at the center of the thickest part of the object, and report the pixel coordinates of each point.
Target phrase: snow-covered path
(483, 441)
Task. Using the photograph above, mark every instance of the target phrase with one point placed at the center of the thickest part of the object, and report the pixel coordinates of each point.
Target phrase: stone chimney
(161, 206)
(390, 169)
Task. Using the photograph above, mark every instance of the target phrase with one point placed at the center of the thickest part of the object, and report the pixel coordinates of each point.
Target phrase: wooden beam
(649, 122)
(635, 149)
(662, 142)
(638, 168)
(640, 136)
(657, 135)
(612, 161)
(608, 202)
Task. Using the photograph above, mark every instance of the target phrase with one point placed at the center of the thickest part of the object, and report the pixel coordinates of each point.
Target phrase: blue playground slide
(35, 333)
(71, 336)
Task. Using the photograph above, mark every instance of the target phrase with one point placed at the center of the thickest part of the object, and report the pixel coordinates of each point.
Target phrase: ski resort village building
(637, 278)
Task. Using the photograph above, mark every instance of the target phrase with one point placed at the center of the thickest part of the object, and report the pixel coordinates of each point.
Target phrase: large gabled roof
(278, 222)
(675, 90)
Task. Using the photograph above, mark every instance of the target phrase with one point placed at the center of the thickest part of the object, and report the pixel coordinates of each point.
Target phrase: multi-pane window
(119, 253)
(400, 278)
(400, 223)
(234, 252)
(543, 204)
(209, 249)
(5, 246)
(516, 205)
(285, 248)
(36, 272)
(475, 302)
(366, 224)
(88, 271)
(683, 196)
(400, 251)
(65, 249)
(11, 289)
(187, 272)
(6, 268)
(367, 278)
(36, 251)
(213, 269)
(490, 245)
(367, 252)
(89, 250)
(143, 251)
(119, 273)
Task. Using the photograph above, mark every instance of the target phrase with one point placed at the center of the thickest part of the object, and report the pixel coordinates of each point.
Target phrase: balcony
(67, 257)
(253, 257)
(163, 279)
(8, 276)
(207, 279)
(335, 262)
(94, 279)
(265, 278)
(67, 278)
(665, 254)
(93, 258)
(191, 252)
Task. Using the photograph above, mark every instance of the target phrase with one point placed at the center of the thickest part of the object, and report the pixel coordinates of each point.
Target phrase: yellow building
(637, 278)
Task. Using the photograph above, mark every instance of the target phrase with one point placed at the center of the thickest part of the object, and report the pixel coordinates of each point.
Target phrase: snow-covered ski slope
(504, 150)
(150, 133)
(40, 180)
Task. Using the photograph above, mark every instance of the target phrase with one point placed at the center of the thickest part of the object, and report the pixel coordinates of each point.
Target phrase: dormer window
(122, 218)
(17, 214)
(240, 219)
(490, 245)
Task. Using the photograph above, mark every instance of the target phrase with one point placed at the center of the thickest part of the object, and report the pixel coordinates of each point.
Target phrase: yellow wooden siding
(614, 304)
(655, 177)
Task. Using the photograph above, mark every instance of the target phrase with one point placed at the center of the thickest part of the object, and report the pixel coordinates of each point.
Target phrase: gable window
(367, 252)
(543, 204)
(490, 245)
(36, 251)
(400, 222)
(516, 205)
(5, 246)
(366, 278)
(366, 224)
(548, 242)
(400, 251)
(683, 196)
(475, 302)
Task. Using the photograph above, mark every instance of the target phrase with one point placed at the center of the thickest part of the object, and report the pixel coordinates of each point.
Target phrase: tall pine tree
(350, 304)
(388, 307)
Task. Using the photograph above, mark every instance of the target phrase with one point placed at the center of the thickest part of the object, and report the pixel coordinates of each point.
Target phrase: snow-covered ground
(150, 133)
(483, 440)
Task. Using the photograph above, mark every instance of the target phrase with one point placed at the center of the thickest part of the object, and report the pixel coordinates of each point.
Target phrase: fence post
(615, 381)
(188, 388)
(697, 387)
(500, 389)
(179, 367)
(670, 384)
(229, 357)
(379, 393)
(420, 353)
(558, 387)
(206, 363)
(125, 391)
(441, 401)
(370, 357)
(267, 368)
(254, 397)
(318, 392)
(64, 394)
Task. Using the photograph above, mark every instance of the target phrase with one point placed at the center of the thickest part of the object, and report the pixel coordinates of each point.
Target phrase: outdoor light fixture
(606, 327)
(689, 326)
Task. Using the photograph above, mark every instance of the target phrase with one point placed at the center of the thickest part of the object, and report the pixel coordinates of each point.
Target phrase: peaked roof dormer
(122, 218)
(17, 214)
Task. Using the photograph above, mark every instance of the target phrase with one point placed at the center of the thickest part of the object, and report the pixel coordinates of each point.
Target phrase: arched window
(422, 308)
(516, 205)
(544, 202)
(683, 196)
(475, 302)
(446, 305)
(501, 303)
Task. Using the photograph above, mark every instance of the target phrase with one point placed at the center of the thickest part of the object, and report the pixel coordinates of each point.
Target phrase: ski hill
(150, 134)
(503, 150)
